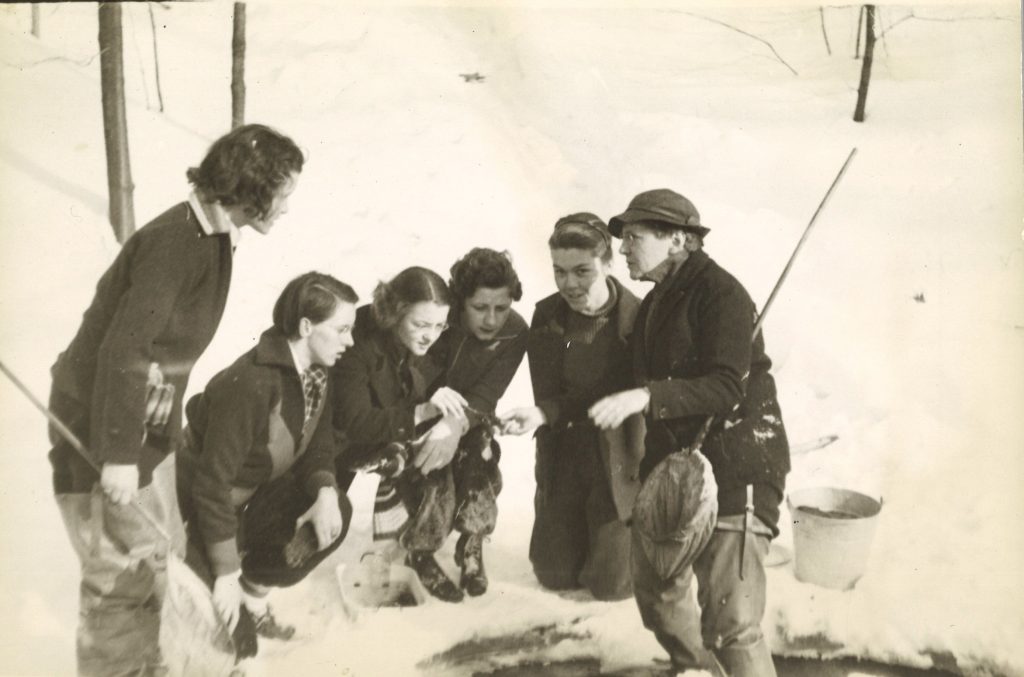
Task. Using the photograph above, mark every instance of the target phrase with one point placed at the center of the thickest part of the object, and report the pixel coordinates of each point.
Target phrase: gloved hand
(120, 482)
(439, 444)
(227, 598)
(609, 412)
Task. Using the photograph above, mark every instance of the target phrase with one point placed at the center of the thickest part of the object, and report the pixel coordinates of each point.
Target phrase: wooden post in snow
(238, 67)
(115, 124)
(865, 70)
(35, 20)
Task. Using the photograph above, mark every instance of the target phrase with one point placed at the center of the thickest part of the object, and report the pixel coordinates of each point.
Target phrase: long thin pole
(699, 440)
(800, 244)
(73, 440)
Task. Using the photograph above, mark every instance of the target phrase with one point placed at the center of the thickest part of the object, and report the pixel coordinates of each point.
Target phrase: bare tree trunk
(156, 58)
(824, 31)
(115, 125)
(238, 67)
(35, 20)
(865, 70)
(860, 22)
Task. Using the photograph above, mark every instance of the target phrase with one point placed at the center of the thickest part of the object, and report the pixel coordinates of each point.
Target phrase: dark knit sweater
(160, 301)
(479, 370)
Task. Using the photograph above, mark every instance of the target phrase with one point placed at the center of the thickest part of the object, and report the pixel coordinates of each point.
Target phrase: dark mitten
(244, 636)
(303, 545)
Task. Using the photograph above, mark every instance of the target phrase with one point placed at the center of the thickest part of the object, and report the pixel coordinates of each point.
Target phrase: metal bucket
(832, 533)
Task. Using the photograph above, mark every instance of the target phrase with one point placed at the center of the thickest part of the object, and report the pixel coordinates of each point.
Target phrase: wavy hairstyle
(487, 268)
(246, 167)
(413, 285)
(585, 231)
(311, 295)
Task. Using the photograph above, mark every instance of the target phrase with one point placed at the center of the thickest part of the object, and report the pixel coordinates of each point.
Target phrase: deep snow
(579, 109)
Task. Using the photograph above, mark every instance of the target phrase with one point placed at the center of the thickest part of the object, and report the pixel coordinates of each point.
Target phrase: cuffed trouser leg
(668, 610)
(124, 576)
(732, 608)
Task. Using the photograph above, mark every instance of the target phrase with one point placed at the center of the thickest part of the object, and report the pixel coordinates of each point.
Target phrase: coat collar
(273, 350)
(213, 219)
(673, 288)
(514, 326)
(555, 310)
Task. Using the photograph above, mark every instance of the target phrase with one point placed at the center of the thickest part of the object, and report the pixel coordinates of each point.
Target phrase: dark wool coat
(373, 405)
(479, 370)
(621, 448)
(246, 429)
(160, 301)
(696, 357)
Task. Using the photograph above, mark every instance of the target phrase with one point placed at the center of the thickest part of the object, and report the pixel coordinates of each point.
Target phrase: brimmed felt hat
(662, 208)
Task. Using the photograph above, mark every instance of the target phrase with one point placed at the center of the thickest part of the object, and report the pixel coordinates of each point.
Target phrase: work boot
(268, 626)
(433, 577)
(469, 555)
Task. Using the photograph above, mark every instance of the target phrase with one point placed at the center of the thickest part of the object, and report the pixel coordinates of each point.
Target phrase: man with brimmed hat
(692, 358)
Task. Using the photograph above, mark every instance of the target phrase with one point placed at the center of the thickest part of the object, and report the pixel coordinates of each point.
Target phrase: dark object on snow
(268, 626)
(244, 636)
(303, 545)
(433, 577)
(919, 297)
(676, 511)
(472, 77)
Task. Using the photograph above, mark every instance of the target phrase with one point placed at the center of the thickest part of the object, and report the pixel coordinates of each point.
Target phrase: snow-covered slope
(578, 109)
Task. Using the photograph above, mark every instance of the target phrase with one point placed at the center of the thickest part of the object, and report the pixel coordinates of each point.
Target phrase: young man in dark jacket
(120, 383)
(692, 358)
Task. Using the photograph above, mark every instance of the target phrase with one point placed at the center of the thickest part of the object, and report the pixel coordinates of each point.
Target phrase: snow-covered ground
(578, 109)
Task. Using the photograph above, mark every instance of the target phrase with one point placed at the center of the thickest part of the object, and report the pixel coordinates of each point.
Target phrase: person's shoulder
(721, 282)
(246, 375)
(547, 305)
(515, 325)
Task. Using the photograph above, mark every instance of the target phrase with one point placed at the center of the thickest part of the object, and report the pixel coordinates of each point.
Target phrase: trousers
(124, 575)
(722, 631)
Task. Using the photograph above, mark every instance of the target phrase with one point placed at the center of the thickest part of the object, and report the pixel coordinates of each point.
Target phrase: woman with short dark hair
(120, 383)
(258, 457)
(586, 478)
(480, 353)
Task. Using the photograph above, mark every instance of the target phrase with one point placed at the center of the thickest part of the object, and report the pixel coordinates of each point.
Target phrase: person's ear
(678, 238)
(305, 327)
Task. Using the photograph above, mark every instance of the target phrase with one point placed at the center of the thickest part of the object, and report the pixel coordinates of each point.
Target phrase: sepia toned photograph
(512, 338)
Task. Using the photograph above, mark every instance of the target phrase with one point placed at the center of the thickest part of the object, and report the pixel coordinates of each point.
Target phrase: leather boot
(469, 555)
(433, 577)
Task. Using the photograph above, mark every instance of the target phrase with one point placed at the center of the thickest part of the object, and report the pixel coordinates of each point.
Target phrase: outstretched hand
(522, 420)
(439, 444)
(611, 411)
